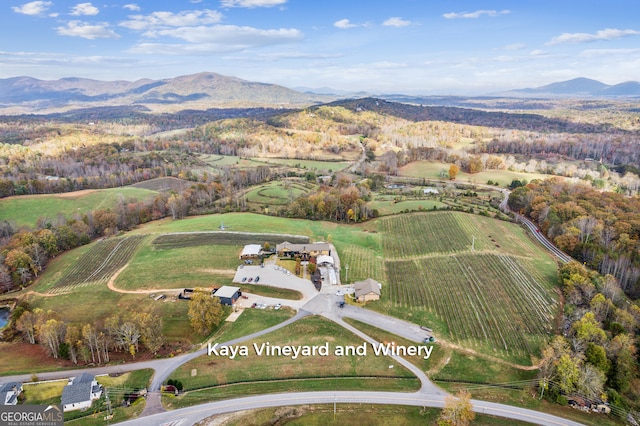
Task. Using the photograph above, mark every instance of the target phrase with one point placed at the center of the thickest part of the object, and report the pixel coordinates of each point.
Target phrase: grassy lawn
(153, 268)
(26, 210)
(391, 207)
(311, 165)
(43, 393)
(426, 365)
(352, 414)
(275, 373)
(251, 321)
(432, 169)
(268, 291)
(277, 193)
(406, 384)
(138, 379)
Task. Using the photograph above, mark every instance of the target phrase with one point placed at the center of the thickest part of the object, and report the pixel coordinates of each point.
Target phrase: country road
(562, 256)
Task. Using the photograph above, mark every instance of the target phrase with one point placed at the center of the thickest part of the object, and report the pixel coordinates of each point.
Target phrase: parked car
(258, 278)
(244, 279)
(250, 279)
(254, 305)
(278, 306)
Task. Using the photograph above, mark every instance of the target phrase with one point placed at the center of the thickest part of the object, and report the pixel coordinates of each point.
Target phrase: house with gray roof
(9, 393)
(80, 392)
(367, 290)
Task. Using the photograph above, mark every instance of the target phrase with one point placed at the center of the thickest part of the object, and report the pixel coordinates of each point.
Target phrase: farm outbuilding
(228, 294)
(367, 290)
(250, 251)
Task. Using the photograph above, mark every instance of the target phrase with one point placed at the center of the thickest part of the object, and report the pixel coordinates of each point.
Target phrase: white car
(278, 306)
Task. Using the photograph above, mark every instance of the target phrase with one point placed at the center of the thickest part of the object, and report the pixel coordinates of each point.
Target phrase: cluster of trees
(205, 312)
(89, 342)
(342, 202)
(597, 354)
(601, 229)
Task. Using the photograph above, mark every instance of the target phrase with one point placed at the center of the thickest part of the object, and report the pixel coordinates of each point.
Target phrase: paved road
(192, 415)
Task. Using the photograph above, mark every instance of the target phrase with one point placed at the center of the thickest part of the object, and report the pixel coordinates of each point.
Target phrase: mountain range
(197, 91)
(27, 95)
(580, 87)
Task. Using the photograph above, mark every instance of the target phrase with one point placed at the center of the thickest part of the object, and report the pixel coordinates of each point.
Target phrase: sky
(380, 46)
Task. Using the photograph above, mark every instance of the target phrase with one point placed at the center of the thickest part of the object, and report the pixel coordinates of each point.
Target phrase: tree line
(601, 229)
(596, 356)
(92, 342)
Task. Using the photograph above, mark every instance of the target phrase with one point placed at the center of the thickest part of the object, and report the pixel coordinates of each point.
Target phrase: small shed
(251, 251)
(228, 294)
(367, 290)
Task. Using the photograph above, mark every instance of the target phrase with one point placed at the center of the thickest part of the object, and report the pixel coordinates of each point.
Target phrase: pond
(4, 316)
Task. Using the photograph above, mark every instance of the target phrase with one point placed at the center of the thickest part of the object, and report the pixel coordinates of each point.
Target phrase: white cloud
(606, 34)
(344, 24)
(132, 7)
(608, 52)
(84, 9)
(33, 8)
(251, 3)
(217, 38)
(86, 30)
(160, 20)
(476, 14)
(537, 52)
(515, 46)
(396, 22)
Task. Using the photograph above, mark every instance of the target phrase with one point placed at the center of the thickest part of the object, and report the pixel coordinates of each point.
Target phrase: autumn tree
(453, 171)
(457, 411)
(205, 312)
(73, 340)
(150, 326)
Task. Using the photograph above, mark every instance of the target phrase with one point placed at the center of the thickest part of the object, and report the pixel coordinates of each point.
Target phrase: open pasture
(319, 167)
(193, 239)
(433, 169)
(25, 210)
(277, 193)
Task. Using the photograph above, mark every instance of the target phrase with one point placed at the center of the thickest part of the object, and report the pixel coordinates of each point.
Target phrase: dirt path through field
(485, 356)
(112, 287)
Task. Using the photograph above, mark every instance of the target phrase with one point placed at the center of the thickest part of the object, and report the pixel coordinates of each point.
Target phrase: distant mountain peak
(581, 87)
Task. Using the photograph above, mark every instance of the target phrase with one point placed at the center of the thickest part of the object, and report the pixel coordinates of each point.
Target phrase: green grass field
(25, 210)
(319, 167)
(277, 193)
(432, 170)
(218, 377)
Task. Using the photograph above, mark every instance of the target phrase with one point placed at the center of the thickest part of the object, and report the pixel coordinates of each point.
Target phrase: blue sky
(401, 46)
